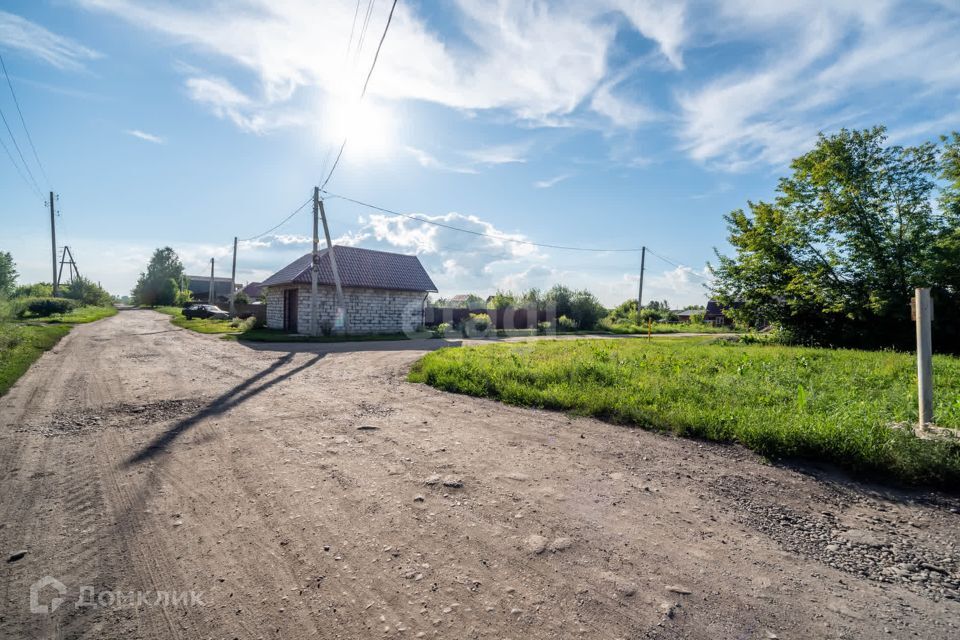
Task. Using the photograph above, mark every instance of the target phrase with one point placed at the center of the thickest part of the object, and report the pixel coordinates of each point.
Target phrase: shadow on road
(235, 396)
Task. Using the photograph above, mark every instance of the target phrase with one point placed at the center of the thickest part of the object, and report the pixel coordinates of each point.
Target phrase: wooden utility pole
(53, 247)
(643, 259)
(233, 279)
(74, 272)
(315, 267)
(210, 297)
(923, 314)
(341, 320)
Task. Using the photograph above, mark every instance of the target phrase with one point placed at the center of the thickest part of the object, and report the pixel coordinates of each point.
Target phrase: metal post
(315, 268)
(341, 323)
(210, 298)
(53, 247)
(923, 308)
(233, 279)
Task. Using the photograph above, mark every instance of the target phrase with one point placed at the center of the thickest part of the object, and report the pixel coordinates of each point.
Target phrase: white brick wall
(368, 310)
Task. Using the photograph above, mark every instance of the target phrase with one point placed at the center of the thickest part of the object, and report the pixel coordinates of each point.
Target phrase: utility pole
(923, 314)
(233, 278)
(315, 267)
(53, 247)
(341, 320)
(643, 260)
(210, 295)
(74, 272)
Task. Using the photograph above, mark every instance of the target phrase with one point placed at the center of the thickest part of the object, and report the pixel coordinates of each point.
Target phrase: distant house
(253, 290)
(384, 292)
(713, 314)
(200, 289)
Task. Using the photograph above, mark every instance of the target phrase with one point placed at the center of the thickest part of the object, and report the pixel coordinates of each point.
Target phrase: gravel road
(312, 492)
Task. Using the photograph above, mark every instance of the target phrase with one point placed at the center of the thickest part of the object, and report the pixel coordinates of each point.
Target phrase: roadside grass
(782, 402)
(21, 345)
(80, 315)
(667, 327)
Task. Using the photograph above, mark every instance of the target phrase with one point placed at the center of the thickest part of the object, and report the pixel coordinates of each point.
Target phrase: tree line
(834, 258)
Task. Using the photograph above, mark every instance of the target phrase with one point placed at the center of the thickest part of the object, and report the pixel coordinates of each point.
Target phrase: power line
(22, 121)
(19, 170)
(20, 153)
(282, 222)
(366, 83)
(353, 28)
(671, 262)
(478, 233)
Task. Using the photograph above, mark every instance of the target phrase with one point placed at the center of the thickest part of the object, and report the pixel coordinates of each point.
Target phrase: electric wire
(20, 153)
(478, 233)
(19, 170)
(366, 83)
(22, 121)
(282, 222)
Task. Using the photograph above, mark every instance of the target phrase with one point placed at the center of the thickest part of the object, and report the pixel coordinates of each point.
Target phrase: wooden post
(315, 267)
(923, 313)
(341, 318)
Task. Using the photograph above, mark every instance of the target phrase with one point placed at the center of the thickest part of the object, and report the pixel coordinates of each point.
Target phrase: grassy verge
(21, 345)
(81, 315)
(667, 327)
(820, 404)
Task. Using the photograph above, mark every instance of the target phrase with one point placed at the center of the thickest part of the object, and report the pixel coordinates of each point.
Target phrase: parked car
(205, 311)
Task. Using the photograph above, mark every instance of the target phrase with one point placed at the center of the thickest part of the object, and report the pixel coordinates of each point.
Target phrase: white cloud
(143, 135)
(22, 35)
(549, 182)
(500, 154)
(428, 161)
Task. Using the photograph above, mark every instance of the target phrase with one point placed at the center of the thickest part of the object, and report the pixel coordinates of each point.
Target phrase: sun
(369, 128)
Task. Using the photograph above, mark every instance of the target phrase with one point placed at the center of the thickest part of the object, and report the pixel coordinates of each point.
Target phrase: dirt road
(313, 494)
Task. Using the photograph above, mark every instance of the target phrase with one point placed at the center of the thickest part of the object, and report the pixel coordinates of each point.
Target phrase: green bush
(479, 322)
(566, 324)
(183, 298)
(44, 307)
(36, 290)
(543, 328)
(440, 330)
(246, 324)
(87, 293)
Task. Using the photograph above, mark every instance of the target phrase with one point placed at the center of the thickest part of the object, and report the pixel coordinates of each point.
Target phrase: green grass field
(21, 344)
(666, 327)
(783, 402)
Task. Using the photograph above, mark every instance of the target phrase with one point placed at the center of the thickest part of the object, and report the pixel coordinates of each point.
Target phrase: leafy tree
(241, 298)
(586, 310)
(561, 298)
(532, 299)
(8, 274)
(158, 285)
(835, 257)
(502, 300)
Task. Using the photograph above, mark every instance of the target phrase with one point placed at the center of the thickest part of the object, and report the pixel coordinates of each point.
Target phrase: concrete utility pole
(210, 298)
(923, 314)
(315, 267)
(53, 247)
(643, 260)
(233, 278)
(341, 321)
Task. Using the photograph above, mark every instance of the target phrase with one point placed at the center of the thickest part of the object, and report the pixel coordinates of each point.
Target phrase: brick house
(384, 292)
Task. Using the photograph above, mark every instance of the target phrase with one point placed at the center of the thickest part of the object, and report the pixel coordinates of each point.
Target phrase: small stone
(535, 544)
(679, 590)
(419, 499)
(432, 480)
(560, 544)
(626, 589)
(516, 612)
(452, 482)
(367, 427)
(17, 555)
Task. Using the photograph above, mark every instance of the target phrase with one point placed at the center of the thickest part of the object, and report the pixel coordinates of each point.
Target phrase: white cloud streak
(143, 135)
(21, 35)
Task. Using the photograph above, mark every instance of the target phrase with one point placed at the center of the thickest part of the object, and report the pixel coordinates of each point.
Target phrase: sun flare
(368, 127)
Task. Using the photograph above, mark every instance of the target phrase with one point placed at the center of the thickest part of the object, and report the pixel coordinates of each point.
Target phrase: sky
(605, 125)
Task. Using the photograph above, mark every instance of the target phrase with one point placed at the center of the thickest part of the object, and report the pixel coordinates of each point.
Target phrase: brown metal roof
(358, 267)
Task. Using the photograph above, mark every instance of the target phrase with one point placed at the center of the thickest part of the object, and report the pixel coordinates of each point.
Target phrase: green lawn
(821, 404)
(200, 325)
(667, 327)
(20, 345)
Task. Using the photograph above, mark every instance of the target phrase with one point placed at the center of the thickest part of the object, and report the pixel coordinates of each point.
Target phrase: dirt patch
(121, 416)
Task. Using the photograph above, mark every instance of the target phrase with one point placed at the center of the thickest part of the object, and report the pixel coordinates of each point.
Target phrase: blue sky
(607, 124)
